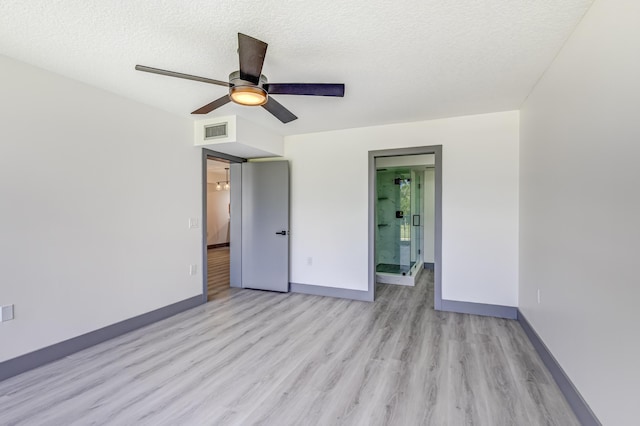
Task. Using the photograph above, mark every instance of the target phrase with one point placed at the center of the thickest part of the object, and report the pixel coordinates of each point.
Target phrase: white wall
(217, 210)
(329, 181)
(580, 209)
(96, 192)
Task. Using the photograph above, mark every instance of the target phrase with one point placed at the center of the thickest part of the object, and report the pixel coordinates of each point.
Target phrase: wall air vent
(236, 136)
(215, 131)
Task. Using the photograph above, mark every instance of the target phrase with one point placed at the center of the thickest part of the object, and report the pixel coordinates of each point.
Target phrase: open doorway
(218, 227)
(405, 218)
(220, 213)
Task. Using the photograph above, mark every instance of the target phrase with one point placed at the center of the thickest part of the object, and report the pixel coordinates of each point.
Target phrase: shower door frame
(436, 150)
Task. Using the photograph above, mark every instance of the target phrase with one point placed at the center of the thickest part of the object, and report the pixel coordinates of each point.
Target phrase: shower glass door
(394, 221)
(403, 219)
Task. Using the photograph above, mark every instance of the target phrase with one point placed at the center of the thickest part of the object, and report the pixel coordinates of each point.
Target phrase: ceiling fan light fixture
(248, 86)
(248, 95)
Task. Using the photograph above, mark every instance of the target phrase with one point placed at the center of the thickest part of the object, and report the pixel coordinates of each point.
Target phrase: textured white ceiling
(400, 60)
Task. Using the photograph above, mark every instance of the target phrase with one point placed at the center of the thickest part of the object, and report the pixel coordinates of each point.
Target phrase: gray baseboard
(499, 311)
(429, 265)
(341, 293)
(15, 366)
(576, 402)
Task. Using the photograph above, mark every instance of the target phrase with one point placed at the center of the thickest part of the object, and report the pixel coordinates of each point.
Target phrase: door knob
(281, 233)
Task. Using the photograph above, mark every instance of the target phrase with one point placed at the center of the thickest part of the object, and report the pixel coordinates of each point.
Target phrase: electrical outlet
(538, 295)
(309, 261)
(7, 313)
(193, 269)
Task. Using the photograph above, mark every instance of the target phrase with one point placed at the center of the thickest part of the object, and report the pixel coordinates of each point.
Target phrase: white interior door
(265, 225)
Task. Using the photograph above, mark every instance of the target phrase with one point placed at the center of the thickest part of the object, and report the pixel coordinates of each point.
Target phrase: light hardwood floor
(217, 273)
(261, 358)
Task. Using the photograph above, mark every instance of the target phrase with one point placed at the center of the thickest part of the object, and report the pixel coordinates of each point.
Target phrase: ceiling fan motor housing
(235, 80)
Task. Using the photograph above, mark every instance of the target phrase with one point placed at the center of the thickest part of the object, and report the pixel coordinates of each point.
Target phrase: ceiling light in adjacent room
(226, 184)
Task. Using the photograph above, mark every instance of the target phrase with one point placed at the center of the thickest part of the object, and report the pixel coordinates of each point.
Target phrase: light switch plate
(193, 222)
(7, 313)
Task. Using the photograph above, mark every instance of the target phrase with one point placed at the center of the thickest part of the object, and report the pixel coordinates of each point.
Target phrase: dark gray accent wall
(579, 406)
(43, 356)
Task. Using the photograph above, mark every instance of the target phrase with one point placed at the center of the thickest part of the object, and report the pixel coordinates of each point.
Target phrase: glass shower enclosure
(399, 230)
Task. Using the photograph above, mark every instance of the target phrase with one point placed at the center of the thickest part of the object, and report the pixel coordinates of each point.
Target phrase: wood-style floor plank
(217, 273)
(259, 358)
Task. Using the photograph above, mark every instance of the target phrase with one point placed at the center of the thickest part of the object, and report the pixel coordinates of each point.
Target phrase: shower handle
(281, 233)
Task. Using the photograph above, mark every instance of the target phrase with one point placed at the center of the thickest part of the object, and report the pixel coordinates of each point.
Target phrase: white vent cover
(215, 131)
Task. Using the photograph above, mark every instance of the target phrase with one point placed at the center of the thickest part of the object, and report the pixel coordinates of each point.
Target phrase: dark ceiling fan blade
(252, 52)
(280, 112)
(309, 89)
(213, 105)
(181, 75)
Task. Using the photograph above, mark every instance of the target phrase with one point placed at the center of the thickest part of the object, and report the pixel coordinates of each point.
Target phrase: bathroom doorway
(401, 221)
(405, 198)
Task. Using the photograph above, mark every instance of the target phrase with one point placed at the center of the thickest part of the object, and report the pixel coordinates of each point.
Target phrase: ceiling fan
(249, 87)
